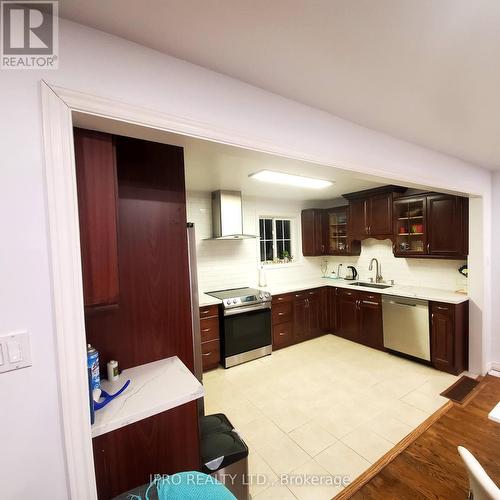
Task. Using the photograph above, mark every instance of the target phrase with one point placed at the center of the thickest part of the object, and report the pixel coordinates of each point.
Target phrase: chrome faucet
(378, 275)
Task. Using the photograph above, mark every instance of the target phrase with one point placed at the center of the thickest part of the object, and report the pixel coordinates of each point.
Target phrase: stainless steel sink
(371, 285)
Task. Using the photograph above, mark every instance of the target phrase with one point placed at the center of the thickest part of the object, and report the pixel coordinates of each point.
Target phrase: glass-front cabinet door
(410, 226)
(337, 231)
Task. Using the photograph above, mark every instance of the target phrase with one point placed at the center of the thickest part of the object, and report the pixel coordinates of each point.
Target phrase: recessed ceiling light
(290, 180)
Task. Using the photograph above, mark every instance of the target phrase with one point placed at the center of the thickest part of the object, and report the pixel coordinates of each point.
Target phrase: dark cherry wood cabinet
(431, 225)
(332, 310)
(449, 336)
(370, 318)
(95, 160)
(282, 321)
(370, 212)
(210, 338)
(347, 314)
(447, 226)
(338, 238)
(299, 316)
(313, 232)
(326, 232)
(163, 444)
(359, 317)
(300, 320)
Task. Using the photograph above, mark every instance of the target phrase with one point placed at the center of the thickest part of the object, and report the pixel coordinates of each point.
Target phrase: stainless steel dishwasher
(406, 326)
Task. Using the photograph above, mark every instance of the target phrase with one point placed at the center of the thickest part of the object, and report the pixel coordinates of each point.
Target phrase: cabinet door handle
(207, 353)
(206, 330)
(323, 248)
(281, 313)
(279, 299)
(205, 311)
(428, 248)
(282, 333)
(370, 302)
(441, 308)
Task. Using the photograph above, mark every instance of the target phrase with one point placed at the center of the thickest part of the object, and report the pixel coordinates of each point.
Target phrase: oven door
(246, 335)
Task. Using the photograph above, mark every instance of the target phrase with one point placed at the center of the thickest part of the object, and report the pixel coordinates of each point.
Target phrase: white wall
(495, 275)
(229, 264)
(32, 458)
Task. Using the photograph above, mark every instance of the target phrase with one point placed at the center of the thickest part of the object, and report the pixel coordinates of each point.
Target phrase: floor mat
(461, 389)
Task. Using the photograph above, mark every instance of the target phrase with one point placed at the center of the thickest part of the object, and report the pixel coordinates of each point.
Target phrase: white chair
(480, 484)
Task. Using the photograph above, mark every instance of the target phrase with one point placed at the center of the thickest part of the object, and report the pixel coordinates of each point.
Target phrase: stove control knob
(266, 295)
(234, 301)
(228, 302)
(261, 296)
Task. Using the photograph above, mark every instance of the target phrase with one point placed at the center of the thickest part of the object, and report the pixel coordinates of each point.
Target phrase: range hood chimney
(227, 216)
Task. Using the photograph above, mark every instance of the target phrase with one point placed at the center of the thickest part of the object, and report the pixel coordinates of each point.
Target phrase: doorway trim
(58, 104)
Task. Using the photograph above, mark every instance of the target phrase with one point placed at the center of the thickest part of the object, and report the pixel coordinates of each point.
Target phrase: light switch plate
(15, 351)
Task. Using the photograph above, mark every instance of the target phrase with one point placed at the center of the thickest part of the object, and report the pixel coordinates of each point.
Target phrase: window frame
(292, 239)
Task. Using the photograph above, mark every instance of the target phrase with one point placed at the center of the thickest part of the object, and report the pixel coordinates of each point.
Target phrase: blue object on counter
(91, 399)
(93, 364)
(109, 397)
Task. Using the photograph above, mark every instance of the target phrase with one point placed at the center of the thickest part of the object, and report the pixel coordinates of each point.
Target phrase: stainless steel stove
(245, 324)
(241, 297)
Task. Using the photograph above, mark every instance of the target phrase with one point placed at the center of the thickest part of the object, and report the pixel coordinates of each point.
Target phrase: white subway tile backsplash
(231, 264)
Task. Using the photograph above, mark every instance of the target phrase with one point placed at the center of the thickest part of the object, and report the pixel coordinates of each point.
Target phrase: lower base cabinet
(210, 338)
(449, 336)
(165, 443)
(299, 316)
(358, 317)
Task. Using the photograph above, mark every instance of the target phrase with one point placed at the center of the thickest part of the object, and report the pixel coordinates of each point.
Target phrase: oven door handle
(245, 309)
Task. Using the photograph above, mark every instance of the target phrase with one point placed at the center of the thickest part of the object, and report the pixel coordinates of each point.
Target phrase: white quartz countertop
(207, 300)
(154, 387)
(424, 293)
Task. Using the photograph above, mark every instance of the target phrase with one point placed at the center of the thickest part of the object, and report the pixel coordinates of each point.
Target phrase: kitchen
(295, 250)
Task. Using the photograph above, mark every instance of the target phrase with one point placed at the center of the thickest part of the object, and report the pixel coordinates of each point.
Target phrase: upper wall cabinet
(370, 212)
(313, 232)
(97, 206)
(338, 237)
(431, 225)
(326, 232)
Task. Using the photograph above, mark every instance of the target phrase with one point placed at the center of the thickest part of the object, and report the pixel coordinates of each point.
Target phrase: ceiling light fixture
(290, 180)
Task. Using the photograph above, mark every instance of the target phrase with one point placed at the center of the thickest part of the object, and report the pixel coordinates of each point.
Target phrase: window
(275, 240)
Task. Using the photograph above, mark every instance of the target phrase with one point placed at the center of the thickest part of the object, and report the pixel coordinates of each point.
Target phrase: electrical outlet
(15, 351)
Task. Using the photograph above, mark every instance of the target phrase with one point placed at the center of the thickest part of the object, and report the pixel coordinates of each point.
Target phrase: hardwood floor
(430, 467)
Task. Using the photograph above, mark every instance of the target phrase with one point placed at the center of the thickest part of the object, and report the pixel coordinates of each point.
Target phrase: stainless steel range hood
(227, 216)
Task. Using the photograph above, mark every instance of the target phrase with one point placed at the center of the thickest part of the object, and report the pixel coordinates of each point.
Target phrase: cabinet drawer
(282, 335)
(210, 352)
(371, 298)
(300, 295)
(209, 311)
(285, 297)
(341, 292)
(209, 329)
(282, 313)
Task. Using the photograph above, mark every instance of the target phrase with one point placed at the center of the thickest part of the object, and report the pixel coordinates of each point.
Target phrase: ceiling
(427, 71)
(210, 166)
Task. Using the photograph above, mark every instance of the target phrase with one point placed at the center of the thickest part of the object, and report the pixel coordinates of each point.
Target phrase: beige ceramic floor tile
(389, 428)
(284, 455)
(277, 492)
(286, 416)
(312, 438)
(340, 460)
(312, 482)
(424, 402)
(260, 432)
(367, 443)
(407, 414)
(261, 475)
